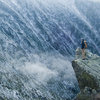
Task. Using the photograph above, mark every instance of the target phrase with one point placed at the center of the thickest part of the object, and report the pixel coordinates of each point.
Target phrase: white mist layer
(39, 70)
(48, 67)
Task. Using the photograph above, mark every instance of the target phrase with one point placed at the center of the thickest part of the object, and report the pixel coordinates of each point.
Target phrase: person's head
(82, 40)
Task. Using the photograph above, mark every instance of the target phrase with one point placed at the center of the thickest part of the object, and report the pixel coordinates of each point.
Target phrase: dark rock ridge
(88, 75)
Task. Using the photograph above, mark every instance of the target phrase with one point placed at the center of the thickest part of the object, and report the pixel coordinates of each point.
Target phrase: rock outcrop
(88, 73)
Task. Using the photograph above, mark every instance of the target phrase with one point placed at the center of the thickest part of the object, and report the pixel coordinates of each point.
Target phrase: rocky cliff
(88, 75)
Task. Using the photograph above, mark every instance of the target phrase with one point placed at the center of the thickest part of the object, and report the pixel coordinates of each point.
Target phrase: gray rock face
(88, 73)
(90, 67)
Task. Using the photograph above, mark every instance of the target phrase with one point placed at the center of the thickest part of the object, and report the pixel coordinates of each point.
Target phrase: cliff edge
(88, 75)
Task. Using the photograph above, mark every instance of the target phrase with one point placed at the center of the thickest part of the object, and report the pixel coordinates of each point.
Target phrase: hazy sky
(95, 0)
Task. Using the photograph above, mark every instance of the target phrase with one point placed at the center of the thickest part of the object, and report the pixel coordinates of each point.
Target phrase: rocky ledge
(88, 75)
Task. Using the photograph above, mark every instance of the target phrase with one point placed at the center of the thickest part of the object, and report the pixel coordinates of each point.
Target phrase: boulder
(88, 74)
(88, 70)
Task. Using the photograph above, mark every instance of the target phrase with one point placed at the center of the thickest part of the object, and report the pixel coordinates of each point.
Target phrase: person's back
(83, 47)
(82, 44)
